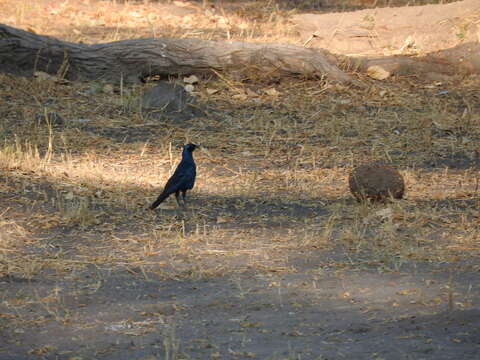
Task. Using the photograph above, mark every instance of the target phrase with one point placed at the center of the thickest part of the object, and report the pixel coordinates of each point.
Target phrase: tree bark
(23, 53)
(441, 65)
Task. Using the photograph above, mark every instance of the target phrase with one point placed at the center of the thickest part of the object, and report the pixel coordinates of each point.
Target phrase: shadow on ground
(316, 313)
(310, 310)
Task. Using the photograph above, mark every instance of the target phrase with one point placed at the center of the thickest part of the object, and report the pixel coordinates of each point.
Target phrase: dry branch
(463, 59)
(22, 53)
(421, 40)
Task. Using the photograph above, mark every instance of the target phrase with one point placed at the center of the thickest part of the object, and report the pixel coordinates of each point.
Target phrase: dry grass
(112, 21)
(272, 178)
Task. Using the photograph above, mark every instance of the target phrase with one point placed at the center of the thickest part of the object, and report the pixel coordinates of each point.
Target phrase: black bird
(182, 179)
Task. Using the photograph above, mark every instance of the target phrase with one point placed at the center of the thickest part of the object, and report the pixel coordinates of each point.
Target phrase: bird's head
(190, 147)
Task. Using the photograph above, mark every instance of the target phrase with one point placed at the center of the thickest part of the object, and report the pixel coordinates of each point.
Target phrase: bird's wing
(178, 181)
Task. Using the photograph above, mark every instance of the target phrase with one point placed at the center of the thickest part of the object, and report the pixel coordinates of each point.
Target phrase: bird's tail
(159, 200)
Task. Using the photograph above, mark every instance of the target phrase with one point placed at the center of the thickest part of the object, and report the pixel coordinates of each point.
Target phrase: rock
(376, 182)
(166, 98)
(53, 118)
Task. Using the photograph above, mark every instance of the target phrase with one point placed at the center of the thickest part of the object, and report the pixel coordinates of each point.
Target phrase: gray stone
(169, 98)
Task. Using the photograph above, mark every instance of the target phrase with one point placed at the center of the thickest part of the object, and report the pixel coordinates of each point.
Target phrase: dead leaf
(378, 73)
(211, 91)
(250, 93)
(295, 333)
(239, 97)
(223, 219)
(192, 79)
(272, 92)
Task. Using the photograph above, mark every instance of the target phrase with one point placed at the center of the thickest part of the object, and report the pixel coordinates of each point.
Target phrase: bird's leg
(177, 197)
(184, 196)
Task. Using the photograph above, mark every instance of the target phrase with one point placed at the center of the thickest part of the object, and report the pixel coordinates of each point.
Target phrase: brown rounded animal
(376, 182)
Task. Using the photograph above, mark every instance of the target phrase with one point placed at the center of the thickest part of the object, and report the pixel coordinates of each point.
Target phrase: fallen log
(440, 65)
(23, 53)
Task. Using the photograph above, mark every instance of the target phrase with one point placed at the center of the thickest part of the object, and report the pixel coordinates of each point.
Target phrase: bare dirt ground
(274, 259)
